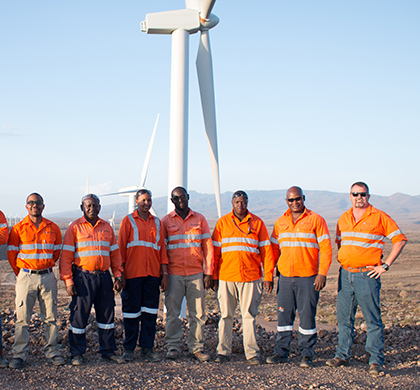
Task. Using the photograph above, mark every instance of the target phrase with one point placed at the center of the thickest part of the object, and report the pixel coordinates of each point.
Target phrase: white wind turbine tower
(180, 24)
(131, 191)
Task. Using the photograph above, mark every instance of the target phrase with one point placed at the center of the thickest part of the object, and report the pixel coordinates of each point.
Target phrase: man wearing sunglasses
(188, 245)
(301, 243)
(90, 249)
(360, 240)
(33, 249)
(241, 248)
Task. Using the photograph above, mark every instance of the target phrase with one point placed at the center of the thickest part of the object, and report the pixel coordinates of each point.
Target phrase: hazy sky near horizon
(312, 93)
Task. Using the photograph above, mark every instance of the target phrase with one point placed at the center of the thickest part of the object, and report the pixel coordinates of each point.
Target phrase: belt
(37, 271)
(355, 270)
(98, 272)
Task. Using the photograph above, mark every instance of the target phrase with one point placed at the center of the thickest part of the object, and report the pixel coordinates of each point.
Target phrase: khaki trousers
(192, 287)
(248, 295)
(30, 287)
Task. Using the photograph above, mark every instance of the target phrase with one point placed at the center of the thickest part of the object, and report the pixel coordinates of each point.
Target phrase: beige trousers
(30, 287)
(192, 287)
(248, 295)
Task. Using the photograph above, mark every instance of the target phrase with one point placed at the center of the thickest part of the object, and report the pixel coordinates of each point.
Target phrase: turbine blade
(205, 81)
(148, 155)
(205, 8)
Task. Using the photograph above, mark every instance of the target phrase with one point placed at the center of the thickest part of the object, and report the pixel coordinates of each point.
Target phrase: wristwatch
(385, 266)
(119, 278)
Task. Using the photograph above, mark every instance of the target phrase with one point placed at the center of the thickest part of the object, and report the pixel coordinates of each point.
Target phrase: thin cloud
(10, 131)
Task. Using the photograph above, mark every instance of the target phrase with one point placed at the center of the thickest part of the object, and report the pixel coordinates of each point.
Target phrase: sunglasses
(176, 198)
(33, 202)
(362, 194)
(291, 200)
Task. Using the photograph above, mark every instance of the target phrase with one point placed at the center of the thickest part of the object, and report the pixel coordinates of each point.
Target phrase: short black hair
(143, 191)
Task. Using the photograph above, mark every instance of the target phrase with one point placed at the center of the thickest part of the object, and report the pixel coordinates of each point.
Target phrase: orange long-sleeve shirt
(35, 248)
(188, 243)
(303, 248)
(142, 246)
(4, 229)
(93, 248)
(361, 243)
(240, 248)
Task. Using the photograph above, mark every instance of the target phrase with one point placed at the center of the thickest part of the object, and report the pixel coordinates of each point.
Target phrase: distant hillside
(269, 205)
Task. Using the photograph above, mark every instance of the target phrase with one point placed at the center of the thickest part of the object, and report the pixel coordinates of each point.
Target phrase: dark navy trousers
(92, 290)
(296, 293)
(140, 303)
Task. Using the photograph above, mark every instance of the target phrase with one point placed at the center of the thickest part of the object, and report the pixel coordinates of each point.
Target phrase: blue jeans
(359, 289)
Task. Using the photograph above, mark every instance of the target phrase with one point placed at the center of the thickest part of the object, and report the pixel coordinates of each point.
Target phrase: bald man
(301, 243)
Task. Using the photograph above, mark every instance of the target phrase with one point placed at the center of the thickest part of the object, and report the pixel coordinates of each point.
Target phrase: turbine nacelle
(169, 21)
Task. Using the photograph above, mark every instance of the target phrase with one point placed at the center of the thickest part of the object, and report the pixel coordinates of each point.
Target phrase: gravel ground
(402, 364)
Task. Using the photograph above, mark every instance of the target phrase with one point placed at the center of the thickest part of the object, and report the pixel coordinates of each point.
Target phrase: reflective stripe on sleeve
(3, 225)
(12, 248)
(113, 248)
(264, 243)
(217, 243)
(323, 237)
(395, 233)
(70, 248)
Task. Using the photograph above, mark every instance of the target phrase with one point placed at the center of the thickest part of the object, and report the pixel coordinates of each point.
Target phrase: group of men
(180, 256)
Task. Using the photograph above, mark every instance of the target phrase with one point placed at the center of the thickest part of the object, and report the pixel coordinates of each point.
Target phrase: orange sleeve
(325, 249)
(123, 235)
(58, 243)
(13, 248)
(163, 254)
(4, 229)
(217, 249)
(207, 247)
(266, 251)
(115, 257)
(67, 256)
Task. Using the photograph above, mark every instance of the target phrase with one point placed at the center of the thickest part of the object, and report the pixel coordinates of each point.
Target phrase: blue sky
(314, 93)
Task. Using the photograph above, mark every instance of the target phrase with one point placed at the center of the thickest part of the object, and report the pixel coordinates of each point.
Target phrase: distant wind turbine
(131, 191)
(180, 23)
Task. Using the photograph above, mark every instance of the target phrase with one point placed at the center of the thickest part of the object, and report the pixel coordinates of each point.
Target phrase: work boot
(201, 356)
(276, 359)
(336, 362)
(148, 354)
(305, 362)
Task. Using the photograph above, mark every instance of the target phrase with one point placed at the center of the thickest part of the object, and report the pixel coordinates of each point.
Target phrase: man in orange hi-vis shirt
(189, 245)
(144, 258)
(241, 246)
(301, 243)
(89, 250)
(4, 235)
(360, 240)
(33, 249)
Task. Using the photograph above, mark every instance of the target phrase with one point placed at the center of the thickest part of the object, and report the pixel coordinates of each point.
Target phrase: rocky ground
(401, 315)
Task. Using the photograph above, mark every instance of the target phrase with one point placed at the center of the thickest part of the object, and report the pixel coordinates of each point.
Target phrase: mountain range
(269, 205)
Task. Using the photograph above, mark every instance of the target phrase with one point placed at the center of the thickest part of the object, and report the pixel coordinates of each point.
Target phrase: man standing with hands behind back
(360, 236)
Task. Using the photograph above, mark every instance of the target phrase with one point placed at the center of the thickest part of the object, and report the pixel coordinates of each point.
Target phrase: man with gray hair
(90, 249)
(361, 231)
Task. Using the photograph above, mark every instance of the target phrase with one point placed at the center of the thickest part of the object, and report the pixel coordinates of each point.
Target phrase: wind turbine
(131, 191)
(112, 220)
(180, 24)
